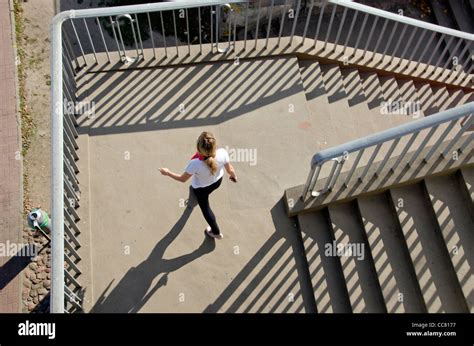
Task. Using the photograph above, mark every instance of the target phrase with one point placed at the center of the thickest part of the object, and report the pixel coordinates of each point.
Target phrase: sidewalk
(10, 167)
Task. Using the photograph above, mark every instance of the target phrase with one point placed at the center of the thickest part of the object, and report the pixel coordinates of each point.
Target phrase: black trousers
(202, 196)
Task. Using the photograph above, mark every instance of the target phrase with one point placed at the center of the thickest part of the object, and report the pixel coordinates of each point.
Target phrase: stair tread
(325, 271)
(428, 254)
(468, 177)
(427, 98)
(372, 89)
(362, 285)
(410, 98)
(333, 82)
(312, 78)
(456, 226)
(353, 86)
(391, 260)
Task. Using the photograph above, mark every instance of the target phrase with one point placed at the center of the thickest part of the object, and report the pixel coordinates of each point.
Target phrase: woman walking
(206, 169)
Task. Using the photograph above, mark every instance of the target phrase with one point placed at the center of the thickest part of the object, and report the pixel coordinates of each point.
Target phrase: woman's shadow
(134, 289)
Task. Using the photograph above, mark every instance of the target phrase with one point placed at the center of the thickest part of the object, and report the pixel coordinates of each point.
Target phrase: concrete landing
(149, 252)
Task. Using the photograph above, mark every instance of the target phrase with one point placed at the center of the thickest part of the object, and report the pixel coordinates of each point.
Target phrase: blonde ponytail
(207, 146)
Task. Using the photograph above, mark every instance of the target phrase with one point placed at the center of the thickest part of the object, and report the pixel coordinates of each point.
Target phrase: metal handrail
(402, 19)
(377, 140)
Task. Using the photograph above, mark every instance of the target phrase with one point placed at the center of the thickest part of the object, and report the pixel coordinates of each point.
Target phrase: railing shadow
(275, 279)
(176, 97)
(133, 291)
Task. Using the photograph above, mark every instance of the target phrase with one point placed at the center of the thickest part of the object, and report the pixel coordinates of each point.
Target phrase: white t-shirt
(201, 172)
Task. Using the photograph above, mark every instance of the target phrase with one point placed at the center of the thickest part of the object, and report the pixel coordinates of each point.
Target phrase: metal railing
(356, 31)
(128, 35)
(456, 120)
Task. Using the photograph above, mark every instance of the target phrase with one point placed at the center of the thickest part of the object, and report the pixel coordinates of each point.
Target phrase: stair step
(333, 82)
(312, 78)
(410, 98)
(372, 89)
(427, 98)
(441, 95)
(358, 268)
(454, 99)
(325, 271)
(467, 176)
(395, 272)
(456, 224)
(353, 86)
(434, 272)
(391, 92)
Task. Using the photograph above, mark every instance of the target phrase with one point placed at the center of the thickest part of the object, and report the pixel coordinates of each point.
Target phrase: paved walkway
(10, 169)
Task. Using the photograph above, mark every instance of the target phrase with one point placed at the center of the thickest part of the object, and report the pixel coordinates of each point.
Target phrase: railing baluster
(103, 38)
(269, 23)
(379, 39)
(456, 138)
(175, 33)
(330, 26)
(371, 160)
(422, 145)
(453, 54)
(115, 37)
(450, 41)
(390, 38)
(405, 150)
(90, 40)
(71, 51)
(164, 34)
(420, 39)
(330, 176)
(295, 21)
(151, 35)
(320, 20)
(200, 31)
(212, 29)
(139, 35)
(258, 22)
(430, 41)
(282, 22)
(398, 42)
(305, 31)
(246, 25)
(388, 155)
(79, 42)
(314, 180)
(349, 33)
(407, 45)
(340, 163)
(441, 38)
(440, 140)
(374, 24)
(364, 22)
(188, 33)
(354, 167)
(338, 35)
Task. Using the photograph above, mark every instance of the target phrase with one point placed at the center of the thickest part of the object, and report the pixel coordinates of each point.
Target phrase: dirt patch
(33, 43)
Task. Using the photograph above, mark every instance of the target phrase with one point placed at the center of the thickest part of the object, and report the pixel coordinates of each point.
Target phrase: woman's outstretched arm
(181, 178)
(230, 170)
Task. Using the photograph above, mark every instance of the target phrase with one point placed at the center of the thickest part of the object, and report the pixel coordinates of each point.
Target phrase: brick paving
(10, 166)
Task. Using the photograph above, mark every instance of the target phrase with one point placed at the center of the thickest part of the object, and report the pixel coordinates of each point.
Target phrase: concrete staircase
(404, 250)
